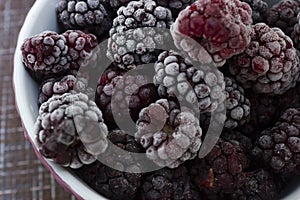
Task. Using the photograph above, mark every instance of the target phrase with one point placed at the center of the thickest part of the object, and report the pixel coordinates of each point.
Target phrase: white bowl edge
(26, 99)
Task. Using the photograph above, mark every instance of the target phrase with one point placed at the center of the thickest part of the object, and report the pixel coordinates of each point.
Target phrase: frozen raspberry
(83, 50)
(269, 64)
(259, 8)
(256, 185)
(65, 84)
(125, 93)
(283, 15)
(70, 130)
(237, 106)
(169, 184)
(86, 15)
(295, 35)
(219, 171)
(278, 147)
(170, 136)
(45, 55)
(222, 29)
(138, 32)
(112, 183)
(176, 76)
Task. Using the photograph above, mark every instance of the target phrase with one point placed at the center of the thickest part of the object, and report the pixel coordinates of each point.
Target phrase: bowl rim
(64, 177)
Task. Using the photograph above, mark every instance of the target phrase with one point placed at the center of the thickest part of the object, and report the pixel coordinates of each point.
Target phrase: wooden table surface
(22, 176)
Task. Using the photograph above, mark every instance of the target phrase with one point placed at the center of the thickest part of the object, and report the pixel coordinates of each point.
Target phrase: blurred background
(22, 176)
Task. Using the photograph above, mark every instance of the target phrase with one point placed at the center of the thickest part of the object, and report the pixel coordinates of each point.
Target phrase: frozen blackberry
(295, 35)
(264, 113)
(86, 15)
(213, 31)
(278, 147)
(65, 84)
(245, 142)
(70, 130)
(45, 55)
(175, 5)
(269, 64)
(266, 109)
(237, 105)
(259, 8)
(125, 93)
(83, 50)
(283, 15)
(170, 136)
(256, 185)
(219, 171)
(176, 76)
(138, 32)
(112, 183)
(116, 4)
(169, 184)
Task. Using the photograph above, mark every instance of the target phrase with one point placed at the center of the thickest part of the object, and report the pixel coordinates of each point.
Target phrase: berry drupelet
(170, 136)
(64, 130)
(221, 28)
(87, 15)
(138, 32)
(269, 64)
(278, 147)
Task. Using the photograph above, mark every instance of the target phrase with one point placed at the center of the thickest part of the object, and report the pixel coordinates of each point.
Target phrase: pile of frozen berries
(228, 63)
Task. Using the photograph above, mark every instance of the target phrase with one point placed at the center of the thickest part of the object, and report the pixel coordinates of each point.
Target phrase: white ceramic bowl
(42, 17)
